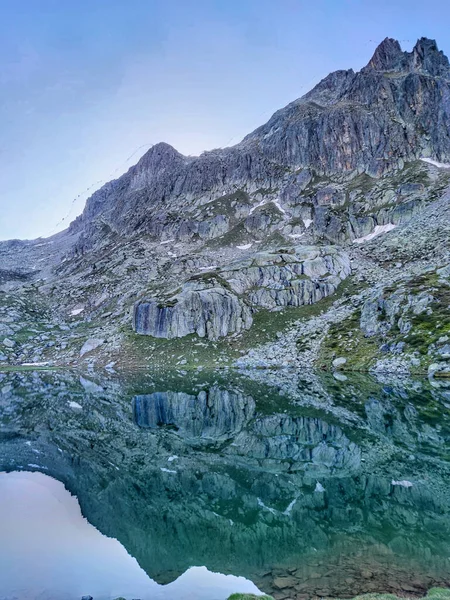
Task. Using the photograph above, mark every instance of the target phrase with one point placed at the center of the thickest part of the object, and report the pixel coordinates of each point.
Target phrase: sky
(86, 86)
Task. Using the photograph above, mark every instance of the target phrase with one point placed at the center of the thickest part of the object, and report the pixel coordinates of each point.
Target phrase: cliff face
(393, 111)
(219, 303)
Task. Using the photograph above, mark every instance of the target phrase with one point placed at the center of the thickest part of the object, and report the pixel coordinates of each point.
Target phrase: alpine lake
(186, 486)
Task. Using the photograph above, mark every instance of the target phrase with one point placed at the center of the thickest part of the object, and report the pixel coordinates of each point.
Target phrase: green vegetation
(346, 340)
(433, 594)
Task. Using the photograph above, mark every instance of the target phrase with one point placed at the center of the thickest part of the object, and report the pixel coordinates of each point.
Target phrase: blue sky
(87, 83)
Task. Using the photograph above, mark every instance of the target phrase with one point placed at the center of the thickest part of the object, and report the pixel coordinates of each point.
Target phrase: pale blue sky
(85, 83)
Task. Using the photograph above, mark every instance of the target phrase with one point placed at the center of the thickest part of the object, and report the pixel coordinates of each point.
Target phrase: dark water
(305, 487)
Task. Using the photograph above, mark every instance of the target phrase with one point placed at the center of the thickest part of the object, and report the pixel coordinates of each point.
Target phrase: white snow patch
(244, 247)
(319, 487)
(172, 458)
(290, 507)
(278, 205)
(75, 405)
(76, 311)
(379, 229)
(403, 483)
(252, 210)
(208, 268)
(307, 223)
(172, 254)
(435, 163)
(33, 466)
(164, 470)
(262, 505)
(295, 236)
(34, 364)
(167, 241)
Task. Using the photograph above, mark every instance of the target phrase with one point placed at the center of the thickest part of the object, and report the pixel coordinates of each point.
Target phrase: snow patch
(210, 268)
(290, 507)
(164, 470)
(244, 247)
(435, 163)
(262, 505)
(252, 210)
(171, 458)
(403, 483)
(76, 311)
(167, 241)
(307, 223)
(379, 229)
(278, 205)
(295, 236)
(319, 487)
(33, 466)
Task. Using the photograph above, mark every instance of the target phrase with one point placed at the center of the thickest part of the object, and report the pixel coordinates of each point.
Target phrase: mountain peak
(425, 57)
(159, 155)
(387, 55)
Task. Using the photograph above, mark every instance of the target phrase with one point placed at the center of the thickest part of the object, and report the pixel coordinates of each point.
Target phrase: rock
(9, 343)
(444, 351)
(339, 362)
(340, 376)
(90, 386)
(90, 344)
(206, 309)
(282, 583)
(87, 598)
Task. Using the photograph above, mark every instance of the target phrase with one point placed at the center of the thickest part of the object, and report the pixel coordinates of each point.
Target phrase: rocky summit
(320, 240)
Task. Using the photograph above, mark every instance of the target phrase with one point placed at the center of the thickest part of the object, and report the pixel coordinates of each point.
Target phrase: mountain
(321, 237)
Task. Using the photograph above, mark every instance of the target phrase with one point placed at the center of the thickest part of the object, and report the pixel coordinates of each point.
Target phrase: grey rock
(339, 362)
(209, 310)
(91, 344)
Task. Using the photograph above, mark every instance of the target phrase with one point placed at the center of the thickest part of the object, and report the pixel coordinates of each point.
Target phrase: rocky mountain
(321, 239)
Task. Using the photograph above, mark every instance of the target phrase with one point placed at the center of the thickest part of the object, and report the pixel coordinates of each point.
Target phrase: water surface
(300, 487)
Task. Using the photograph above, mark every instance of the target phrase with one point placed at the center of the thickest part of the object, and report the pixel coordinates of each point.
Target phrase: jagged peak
(425, 57)
(386, 55)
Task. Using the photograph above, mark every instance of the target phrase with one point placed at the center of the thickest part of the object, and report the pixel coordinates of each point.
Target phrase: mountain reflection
(340, 490)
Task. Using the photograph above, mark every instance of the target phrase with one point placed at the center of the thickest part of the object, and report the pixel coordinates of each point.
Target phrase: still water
(200, 486)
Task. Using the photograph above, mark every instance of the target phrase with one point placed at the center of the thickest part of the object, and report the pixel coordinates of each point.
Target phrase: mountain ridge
(280, 222)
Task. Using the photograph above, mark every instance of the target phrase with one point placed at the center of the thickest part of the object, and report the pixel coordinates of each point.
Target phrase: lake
(196, 485)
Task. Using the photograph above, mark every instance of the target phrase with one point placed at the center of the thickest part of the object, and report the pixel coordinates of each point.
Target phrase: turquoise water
(195, 486)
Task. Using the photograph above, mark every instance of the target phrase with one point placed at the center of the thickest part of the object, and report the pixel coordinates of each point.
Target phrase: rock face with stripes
(206, 309)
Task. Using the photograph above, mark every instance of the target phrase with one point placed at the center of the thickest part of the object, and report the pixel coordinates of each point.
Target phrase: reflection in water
(339, 490)
(44, 536)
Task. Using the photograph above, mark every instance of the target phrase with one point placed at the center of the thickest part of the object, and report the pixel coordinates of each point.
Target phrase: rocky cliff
(339, 200)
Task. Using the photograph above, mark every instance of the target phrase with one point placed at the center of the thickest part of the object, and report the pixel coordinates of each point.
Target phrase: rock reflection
(303, 501)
